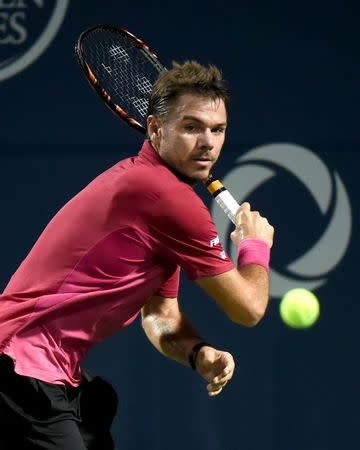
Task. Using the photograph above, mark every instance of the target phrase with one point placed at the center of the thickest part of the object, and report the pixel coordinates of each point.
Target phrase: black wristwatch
(194, 352)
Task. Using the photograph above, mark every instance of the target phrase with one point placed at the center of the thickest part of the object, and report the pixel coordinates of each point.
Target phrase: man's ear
(154, 129)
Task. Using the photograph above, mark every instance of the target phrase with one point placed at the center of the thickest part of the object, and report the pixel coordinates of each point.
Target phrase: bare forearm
(241, 293)
(257, 295)
(173, 337)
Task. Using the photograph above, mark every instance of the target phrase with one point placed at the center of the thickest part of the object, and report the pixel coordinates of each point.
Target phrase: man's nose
(206, 139)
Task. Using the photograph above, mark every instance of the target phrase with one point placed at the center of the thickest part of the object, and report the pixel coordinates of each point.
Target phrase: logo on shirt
(27, 28)
(325, 245)
(215, 242)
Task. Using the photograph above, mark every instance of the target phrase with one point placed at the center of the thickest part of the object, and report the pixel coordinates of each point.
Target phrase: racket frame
(94, 83)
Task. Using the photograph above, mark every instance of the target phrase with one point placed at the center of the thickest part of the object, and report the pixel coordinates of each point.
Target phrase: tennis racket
(122, 70)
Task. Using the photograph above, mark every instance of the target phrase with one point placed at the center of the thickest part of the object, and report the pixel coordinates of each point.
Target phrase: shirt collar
(150, 156)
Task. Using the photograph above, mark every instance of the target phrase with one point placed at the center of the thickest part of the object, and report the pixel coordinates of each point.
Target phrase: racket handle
(223, 198)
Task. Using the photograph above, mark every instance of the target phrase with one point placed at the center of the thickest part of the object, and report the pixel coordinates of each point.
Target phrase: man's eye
(190, 128)
(218, 130)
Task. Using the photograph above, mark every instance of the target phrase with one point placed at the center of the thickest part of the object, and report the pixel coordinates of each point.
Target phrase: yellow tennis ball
(299, 308)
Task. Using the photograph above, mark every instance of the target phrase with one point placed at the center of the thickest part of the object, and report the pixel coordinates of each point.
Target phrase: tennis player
(116, 249)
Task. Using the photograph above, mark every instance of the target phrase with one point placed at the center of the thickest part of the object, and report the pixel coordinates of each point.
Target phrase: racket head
(121, 68)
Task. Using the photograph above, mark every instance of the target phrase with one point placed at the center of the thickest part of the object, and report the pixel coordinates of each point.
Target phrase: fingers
(224, 378)
(217, 367)
(250, 224)
(215, 387)
(213, 393)
(244, 207)
(245, 210)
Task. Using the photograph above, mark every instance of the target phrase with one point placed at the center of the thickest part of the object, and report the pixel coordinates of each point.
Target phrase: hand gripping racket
(122, 70)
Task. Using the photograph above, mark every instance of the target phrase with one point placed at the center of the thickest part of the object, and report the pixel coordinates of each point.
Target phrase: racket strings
(122, 69)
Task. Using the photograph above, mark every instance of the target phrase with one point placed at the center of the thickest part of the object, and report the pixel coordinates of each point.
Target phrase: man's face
(191, 136)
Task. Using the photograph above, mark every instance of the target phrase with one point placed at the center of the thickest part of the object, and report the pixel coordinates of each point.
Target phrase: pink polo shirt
(118, 242)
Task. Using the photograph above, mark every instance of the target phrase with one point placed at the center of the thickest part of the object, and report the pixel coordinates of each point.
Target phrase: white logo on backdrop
(310, 270)
(21, 42)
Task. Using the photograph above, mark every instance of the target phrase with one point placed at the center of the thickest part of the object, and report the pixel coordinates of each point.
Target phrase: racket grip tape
(223, 198)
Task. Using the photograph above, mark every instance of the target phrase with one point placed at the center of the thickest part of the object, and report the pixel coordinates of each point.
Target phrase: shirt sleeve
(186, 234)
(170, 288)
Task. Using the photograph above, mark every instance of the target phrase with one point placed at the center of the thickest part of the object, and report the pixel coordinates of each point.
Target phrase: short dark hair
(189, 77)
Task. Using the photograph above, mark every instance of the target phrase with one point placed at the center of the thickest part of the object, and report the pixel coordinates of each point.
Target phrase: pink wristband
(253, 251)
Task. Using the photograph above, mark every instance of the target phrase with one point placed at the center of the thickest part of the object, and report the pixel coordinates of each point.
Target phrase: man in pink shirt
(115, 250)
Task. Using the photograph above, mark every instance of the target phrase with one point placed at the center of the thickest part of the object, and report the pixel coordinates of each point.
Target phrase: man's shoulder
(156, 179)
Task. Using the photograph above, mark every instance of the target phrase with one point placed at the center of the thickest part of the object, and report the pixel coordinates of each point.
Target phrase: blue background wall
(294, 72)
